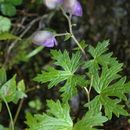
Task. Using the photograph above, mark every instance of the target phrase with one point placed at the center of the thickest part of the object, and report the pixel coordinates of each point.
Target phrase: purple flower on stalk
(73, 7)
(77, 9)
(44, 38)
(51, 4)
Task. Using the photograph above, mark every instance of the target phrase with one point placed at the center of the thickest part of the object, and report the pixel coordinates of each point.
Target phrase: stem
(60, 34)
(32, 89)
(76, 41)
(91, 84)
(88, 94)
(21, 103)
(71, 31)
(18, 111)
(10, 115)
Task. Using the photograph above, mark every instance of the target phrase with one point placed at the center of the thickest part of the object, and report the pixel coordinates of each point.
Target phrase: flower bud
(51, 4)
(44, 38)
(73, 7)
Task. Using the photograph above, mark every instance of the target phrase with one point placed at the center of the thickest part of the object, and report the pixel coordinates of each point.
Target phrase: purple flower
(77, 9)
(44, 38)
(51, 4)
(73, 7)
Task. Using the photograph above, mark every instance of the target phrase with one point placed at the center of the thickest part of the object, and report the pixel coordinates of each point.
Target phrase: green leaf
(0, 106)
(107, 76)
(82, 44)
(8, 9)
(112, 106)
(1, 1)
(89, 121)
(117, 89)
(3, 76)
(21, 86)
(10, 91)
(15, 2)
(31, 121)
(67, 37)
(5, 24)
(58, 118)
(20, 93)
(100, 49)
(67, 64)
(67, 73)
(8, 36)
(69, 89)
(3, 128)
(107, 81)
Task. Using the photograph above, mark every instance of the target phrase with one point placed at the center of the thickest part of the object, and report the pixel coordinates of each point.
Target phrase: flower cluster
(71, 6)
(47, 39)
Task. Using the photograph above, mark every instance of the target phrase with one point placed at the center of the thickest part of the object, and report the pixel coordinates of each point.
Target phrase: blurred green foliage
(8, 7)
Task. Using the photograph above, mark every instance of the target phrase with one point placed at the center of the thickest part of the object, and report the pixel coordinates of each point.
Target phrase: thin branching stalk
(78, 44)
(61, 34)
(71, 31)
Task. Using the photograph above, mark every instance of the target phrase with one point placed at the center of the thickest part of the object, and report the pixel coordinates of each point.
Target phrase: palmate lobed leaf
(99, 50)
(107, 76)
(89, 121)
(66, 75)
(64, 60)
(69, 89)
(107, 82)
(110, 106)
(52, 75)
(58, 118)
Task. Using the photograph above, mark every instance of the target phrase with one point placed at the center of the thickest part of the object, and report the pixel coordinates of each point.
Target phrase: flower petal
(50, 42)
(68, 5)
(51, 4)
(77, 9)
(41, 36)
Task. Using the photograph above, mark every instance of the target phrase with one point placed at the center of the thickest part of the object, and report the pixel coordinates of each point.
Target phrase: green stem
(78, 44)
(18, 111)
(88, 94)
(91, 84)
(71, 31)
(61, 34)
(10, 115)
(21, 102)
